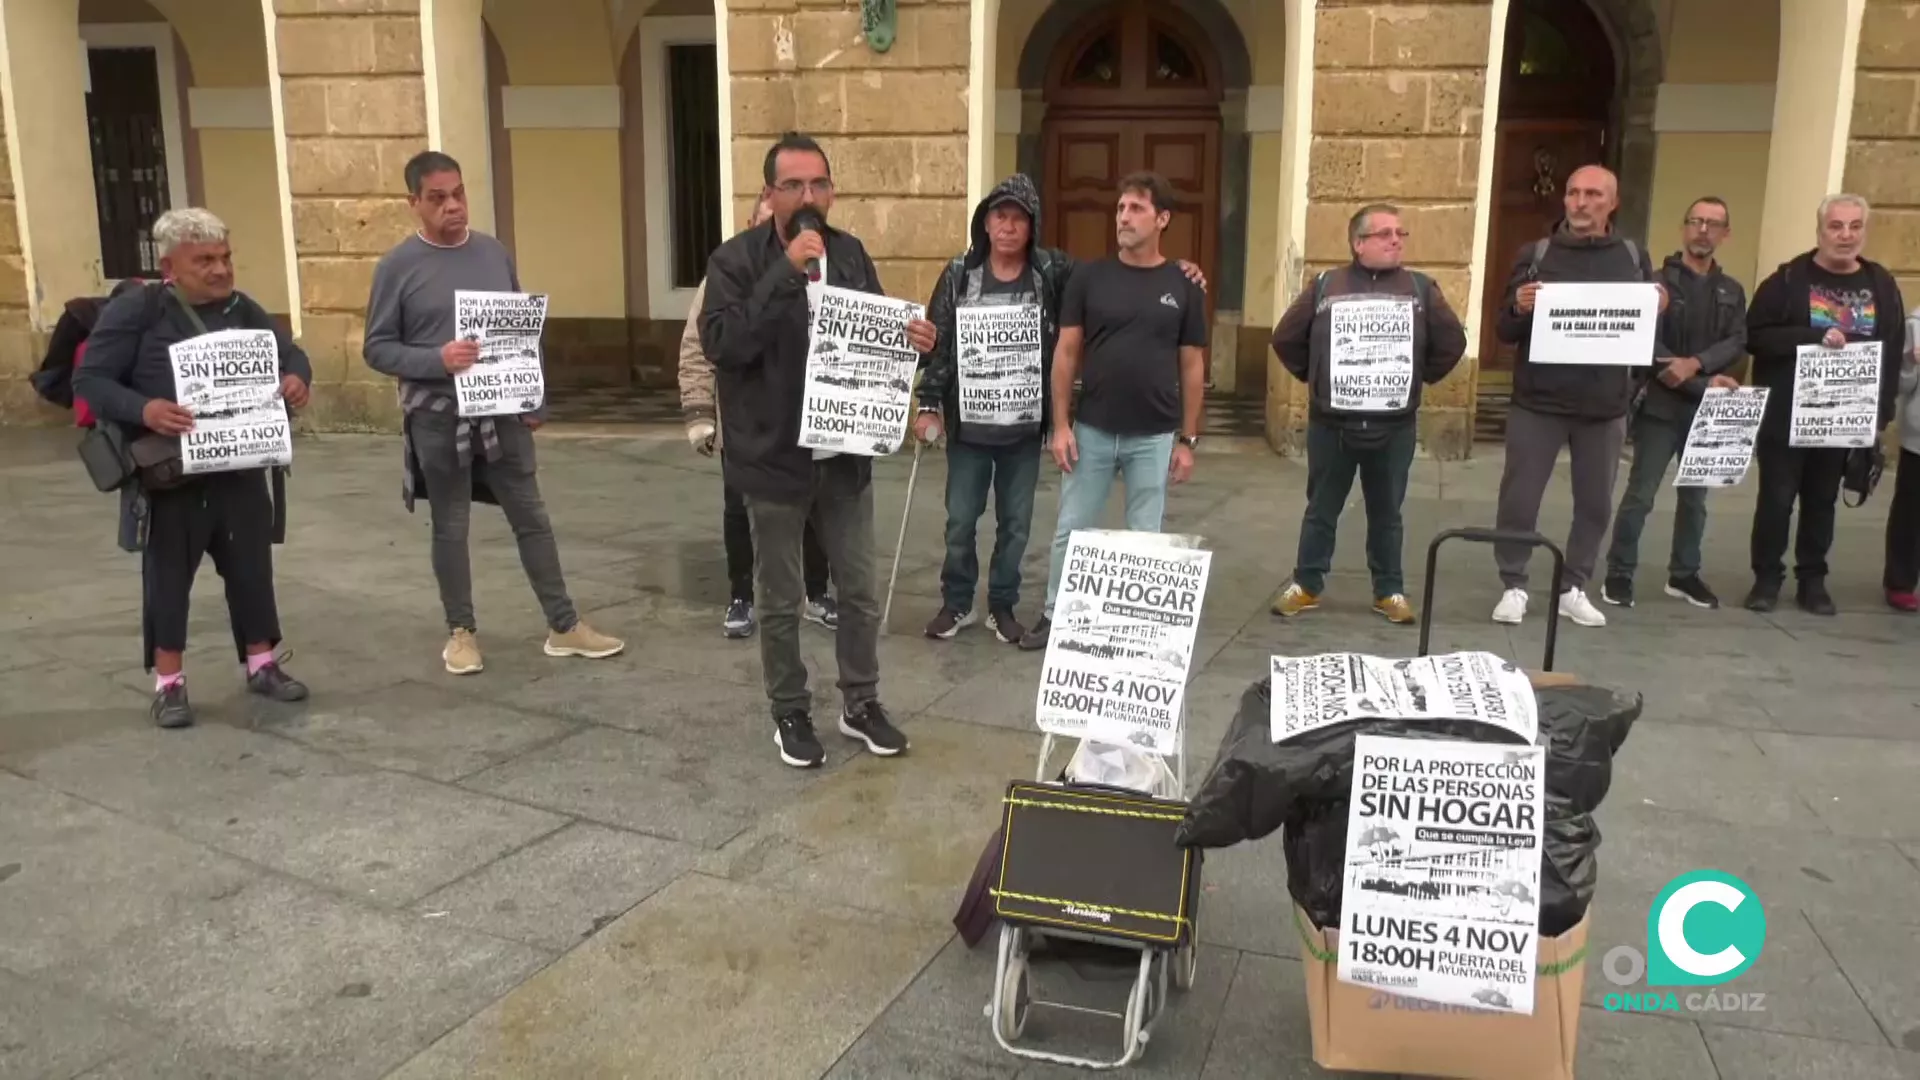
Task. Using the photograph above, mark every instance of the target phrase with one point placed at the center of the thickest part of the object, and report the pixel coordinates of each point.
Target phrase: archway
(1133, 87)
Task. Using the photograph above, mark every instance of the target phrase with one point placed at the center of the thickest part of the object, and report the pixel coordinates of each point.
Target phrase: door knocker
(1543, 170)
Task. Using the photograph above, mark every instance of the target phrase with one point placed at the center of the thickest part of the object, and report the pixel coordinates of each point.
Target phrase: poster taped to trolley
(1312, 692)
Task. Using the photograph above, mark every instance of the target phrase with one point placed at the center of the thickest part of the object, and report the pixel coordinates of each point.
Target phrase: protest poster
(507, 379)
(1720, 443)
(1123, 633)
(1312, 692)
(860, 371)
(1595, 323)
(230, 381)
(999, 361)
(1441, 893)
(1370, 366)
(1836, 396)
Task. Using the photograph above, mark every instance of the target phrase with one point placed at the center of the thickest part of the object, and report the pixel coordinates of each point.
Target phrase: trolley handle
(1480, 534)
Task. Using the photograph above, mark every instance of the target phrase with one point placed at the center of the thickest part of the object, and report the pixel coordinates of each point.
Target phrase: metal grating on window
(129, 158)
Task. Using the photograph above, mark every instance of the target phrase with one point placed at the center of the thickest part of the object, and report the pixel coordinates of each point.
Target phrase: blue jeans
(1332, 461)
(1140, 461)
(1656, 442)
(1011, 471)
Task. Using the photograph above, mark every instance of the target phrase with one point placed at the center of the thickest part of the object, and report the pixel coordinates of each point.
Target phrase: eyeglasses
(794, 187)
(1704, 223)
(1382, 234)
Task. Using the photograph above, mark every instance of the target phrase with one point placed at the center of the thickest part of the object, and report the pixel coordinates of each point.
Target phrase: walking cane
(900, 543)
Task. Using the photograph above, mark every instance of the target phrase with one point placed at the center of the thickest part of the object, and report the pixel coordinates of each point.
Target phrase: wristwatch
(1191, 442)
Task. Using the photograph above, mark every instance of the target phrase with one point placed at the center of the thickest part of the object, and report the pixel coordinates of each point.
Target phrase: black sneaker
(171, 708)
(1036, 639)
(1005, 626)
(1693, 591)
(799, 746)
(823, 611)
(272, 683)
(1813, 599)
(1618, 591)
(870, 724)
(739, 622)
(948, 622)
(1764, 597)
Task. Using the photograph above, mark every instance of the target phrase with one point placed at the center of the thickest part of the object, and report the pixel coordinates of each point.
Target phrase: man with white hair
(1833, 297)
(128, 380)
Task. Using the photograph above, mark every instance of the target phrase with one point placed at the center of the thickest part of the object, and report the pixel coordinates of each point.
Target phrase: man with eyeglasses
(754, 327)
(1705, 328)
(1832, 297)
(1365, 338)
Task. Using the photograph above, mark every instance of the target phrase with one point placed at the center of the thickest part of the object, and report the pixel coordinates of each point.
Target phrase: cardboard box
(1362, 1029)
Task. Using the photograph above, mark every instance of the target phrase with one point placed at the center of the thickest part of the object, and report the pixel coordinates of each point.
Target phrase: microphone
(808, 219)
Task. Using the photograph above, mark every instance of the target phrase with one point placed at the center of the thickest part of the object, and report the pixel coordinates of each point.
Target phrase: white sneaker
(1511, 608)
(1575, 605)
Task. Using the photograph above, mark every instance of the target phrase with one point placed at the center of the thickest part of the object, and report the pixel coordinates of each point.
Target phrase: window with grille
(129, 157)
(693, 159)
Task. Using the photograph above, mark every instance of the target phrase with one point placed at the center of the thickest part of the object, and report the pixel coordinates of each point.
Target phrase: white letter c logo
(1673, 923)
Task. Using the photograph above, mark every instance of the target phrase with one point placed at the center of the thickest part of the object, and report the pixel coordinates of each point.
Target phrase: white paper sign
(1370, 366)
(1595, 323)
(1720, 443)
(508, 378)
(230, 381)
(1836, 395)
(1441, 895)
(999, 363)
(1122, 642)
(1312, 692)
(860, 372)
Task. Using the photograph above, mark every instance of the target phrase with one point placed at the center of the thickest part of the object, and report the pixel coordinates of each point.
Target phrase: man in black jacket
(754, 328)
(1395, 333)
(1832, 297)
(1705, 328)
(128, 379)
(1579, 406)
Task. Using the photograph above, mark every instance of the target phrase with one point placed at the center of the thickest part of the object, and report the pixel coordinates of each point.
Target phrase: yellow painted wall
(52, 163)
(1723, 41)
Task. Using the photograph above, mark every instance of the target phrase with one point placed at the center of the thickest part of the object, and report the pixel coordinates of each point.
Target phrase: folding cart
(1482, 535)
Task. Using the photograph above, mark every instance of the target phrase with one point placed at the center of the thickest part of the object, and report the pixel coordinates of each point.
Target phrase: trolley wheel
(1016, 999)
(1139, 1014)
(1186, 958)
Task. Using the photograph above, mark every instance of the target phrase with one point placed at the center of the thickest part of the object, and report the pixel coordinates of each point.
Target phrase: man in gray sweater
(410, 324)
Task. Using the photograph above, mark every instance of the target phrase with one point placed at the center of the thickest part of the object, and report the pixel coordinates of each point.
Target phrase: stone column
(20, 346)
(1883, 153)
(352, 110)
(1399, 91)
(894, 124)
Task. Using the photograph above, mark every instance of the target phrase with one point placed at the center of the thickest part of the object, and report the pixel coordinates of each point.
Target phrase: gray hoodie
(1909, 379)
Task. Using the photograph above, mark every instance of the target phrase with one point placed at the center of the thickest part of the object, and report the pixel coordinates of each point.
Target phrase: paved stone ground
(579, 870)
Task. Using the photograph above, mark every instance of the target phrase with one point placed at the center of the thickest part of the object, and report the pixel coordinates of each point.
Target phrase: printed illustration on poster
(1123, 636)
(1720, 443)
(1836, 396)
(1312, 692)
(1610, 323)
(230, 381)
(1370, 361)
(998, 350)
(860, 370)
(1441, 895)
(508, 379)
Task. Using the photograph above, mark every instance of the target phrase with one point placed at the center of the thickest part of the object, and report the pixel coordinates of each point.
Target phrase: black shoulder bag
(156, 457)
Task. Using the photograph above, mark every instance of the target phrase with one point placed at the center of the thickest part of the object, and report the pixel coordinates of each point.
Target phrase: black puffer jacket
(960, 285)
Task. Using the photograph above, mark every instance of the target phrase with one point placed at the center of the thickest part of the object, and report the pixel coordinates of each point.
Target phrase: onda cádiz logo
(1705, 928)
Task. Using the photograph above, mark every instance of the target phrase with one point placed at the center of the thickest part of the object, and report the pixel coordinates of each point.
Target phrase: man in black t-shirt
(1132, 328)
(1831, 297)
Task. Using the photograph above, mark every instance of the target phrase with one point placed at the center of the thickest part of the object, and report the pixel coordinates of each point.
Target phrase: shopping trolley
(1481, 535)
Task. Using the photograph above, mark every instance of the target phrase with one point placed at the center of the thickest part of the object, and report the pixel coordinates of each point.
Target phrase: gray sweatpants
(1533, 443)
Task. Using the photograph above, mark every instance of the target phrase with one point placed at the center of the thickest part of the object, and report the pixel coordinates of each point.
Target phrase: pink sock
(256, 661)
(162, 682)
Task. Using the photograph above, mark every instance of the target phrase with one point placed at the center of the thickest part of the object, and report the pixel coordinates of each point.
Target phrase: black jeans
(736, 531)
(1011, 471)
(1332, 461)
(1657, 441)
(1903, 527)
(228, 516)
(1788, 474)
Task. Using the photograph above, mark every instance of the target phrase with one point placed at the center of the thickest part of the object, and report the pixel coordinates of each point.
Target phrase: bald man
(1579, 406)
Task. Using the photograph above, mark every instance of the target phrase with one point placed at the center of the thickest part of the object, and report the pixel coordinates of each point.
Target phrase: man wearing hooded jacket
(1005, 267)
(1351, 429)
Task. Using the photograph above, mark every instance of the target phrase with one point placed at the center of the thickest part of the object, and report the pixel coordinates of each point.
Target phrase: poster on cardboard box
(1610, 323)
(1124, 626)
(860, 370)
(1370, 359)
(508, 379)
(1312, 692)
(999, 364)
(1719, 446)
(1836, 396)
(1441, 897)
(230, 381)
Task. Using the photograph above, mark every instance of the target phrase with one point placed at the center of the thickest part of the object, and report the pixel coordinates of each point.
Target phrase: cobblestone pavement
(578, 870)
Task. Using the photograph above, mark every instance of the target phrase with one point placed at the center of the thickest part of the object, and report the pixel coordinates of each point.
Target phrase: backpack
(53, 381)
(1420, 286)
(1539, 252)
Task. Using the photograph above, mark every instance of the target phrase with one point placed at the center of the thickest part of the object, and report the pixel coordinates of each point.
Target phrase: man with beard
(1705, 328)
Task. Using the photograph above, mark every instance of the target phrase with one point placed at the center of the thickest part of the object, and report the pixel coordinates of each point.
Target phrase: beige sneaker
(583, 640)
(1293, 600)
(462, 654)
(1395, 609)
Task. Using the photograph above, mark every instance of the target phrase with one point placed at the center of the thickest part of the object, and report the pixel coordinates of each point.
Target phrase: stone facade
(894, 124)
(1883, 153)
(1399, 90)
(20, 346)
